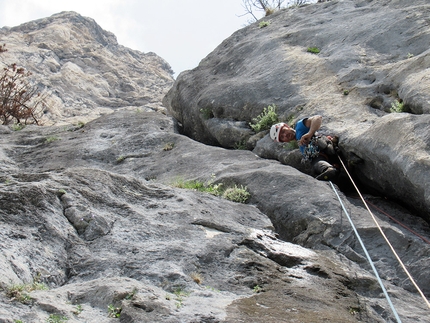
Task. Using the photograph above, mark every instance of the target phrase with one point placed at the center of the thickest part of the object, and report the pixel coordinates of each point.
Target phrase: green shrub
(209, 187)
(78, 309)
(313, 50)
(56, 318)
(265, 120)
(240, 145)
(113, 311)
(191, 185)
(120, 159)
(263, 24)
(180, 296)
(51, 139)
(80, 124)
(131, 294)
(237, 194)
(207, 113)
(257, 289)
(18, 126)
(21, 292)
(397, 106)
(168, 146)
(234, 193)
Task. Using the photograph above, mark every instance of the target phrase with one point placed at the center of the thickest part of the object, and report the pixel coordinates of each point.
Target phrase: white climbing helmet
(275, 130)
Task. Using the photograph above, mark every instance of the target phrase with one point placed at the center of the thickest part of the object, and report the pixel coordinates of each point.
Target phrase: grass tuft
(238, 194)
(197, 277)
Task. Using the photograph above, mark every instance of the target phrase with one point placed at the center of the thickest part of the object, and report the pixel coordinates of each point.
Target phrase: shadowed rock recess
(91, 210)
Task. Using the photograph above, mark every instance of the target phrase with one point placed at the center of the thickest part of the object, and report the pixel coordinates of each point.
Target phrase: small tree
(268, 6)
(20, 101)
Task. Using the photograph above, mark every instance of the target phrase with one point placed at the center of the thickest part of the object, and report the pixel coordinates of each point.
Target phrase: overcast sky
(183, 32)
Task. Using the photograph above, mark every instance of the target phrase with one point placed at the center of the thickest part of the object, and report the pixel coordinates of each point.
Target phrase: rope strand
(368, 257)
(398, 222)
(386, 239)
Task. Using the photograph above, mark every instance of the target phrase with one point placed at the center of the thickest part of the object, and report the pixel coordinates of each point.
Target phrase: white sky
(183, 32)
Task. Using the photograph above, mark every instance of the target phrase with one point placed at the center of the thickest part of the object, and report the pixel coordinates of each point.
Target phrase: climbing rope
(368, 257)
(383, 234)
(398, 222)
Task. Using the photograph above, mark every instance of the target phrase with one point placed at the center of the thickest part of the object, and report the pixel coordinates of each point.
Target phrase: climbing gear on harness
(311, 151)
(319, 145)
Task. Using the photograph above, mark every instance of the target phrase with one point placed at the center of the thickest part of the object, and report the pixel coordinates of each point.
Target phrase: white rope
(386, 239)
(368, 257)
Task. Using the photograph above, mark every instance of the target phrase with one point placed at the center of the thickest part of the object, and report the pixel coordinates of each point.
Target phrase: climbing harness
(386, 239)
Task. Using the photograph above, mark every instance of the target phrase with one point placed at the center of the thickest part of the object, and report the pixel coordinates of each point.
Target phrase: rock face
(83, 68)
(371, 54)
(92, 212)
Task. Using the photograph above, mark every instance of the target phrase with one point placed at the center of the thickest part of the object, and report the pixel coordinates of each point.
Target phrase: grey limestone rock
(91, 210)
(372, 53)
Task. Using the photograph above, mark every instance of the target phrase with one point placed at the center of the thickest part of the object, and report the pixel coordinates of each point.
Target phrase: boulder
(371, 54)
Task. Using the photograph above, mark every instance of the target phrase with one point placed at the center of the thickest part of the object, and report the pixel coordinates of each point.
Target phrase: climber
(319, 150)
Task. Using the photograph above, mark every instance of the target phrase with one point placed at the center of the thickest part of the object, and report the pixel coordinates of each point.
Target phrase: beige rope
(386, 239)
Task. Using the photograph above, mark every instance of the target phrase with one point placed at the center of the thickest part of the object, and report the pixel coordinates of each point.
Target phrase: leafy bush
(51, 139)
(240, 145)
(257, 289)
(206, 113)
(210, 188)
(180, 296)
(17, 126)
(234, 193)
(20, 101)
(113, 311)
(237, 194)
(56, 318)
(265, 120)
(168, 146)
(120, 159)
(313, 50)
(21, 292)
(397, 106)
(263, 24)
